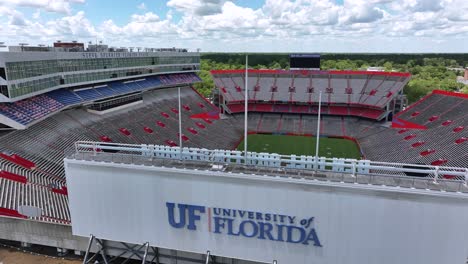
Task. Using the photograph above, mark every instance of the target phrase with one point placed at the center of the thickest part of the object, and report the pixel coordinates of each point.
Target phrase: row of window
(26, 69)
(50, 82)
(112, 103)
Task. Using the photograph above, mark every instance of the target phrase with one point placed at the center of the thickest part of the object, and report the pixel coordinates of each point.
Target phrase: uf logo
(183, 209)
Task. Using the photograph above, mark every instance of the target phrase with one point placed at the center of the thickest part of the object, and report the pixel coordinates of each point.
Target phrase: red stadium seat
(439, 162)
(161, 124)
(125, 131)
(458, 129)
(148, 130)
(448, 122)
(418, 144)
(105, 139)
(410, 137)
(427, 152)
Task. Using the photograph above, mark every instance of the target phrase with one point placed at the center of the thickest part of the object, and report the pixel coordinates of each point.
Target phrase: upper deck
(26, 74)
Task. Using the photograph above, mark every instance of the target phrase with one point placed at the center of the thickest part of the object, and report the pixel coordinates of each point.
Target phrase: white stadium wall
(270, 218)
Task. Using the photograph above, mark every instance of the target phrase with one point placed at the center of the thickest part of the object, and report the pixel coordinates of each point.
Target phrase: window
(4, 90)
(2, 73)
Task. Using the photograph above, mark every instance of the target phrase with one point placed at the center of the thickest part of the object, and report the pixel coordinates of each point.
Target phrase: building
(25, 48)
(28, 73)
(379, 69)
(68, 46)
(463, 79)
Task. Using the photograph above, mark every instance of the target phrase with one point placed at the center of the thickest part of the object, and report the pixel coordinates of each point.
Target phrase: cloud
(37, 14)
(17, 19)
(277, 24)
(197, 7)
(365, 14)
(146, 18)
(58, 6)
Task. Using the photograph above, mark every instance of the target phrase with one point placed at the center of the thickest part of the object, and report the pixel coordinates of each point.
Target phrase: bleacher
(353, 93)
(35, 108)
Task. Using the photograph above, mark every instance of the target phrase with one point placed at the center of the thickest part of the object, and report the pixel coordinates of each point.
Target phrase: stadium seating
(344, 90)
(34, 108)
(31, 160)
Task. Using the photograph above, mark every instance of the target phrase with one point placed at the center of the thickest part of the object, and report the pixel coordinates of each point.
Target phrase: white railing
(352, 167)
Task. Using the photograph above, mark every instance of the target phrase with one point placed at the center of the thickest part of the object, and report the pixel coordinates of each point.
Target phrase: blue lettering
(312, 236)
(265, 229)
(216, 211)
(193, 217)
(242, 213)
(254, 229)
(259, 225)
(290, 234)
(219, 224)
(230, 228)
(259, 216)
(170, 215)
(226, 212)
(251, 215)
(281, 218)
(280, 232)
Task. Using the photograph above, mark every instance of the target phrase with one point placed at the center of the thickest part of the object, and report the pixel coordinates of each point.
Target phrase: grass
(302, 145)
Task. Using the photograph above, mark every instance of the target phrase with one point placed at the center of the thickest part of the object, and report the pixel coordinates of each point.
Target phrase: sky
(388, 26)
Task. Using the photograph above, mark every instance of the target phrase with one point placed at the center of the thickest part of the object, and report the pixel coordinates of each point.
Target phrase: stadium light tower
(317, 141)
(180, 124)
(245, 104)
(22, 45)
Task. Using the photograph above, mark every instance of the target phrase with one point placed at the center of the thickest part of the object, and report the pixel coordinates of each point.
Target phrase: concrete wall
(46, 234)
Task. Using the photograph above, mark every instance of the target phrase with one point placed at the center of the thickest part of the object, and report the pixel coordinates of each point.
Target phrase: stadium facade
(128, 189)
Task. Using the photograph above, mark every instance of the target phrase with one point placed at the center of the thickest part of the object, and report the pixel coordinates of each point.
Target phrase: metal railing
(350, 170)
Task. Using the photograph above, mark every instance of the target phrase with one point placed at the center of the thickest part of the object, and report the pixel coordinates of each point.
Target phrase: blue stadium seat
(121, 88)
(89, 94)
(65, 97)
(106, 91)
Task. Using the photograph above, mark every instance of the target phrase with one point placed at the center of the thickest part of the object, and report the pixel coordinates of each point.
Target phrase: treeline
(429, 71)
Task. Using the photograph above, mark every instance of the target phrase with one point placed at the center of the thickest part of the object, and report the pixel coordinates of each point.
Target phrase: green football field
(302, 145)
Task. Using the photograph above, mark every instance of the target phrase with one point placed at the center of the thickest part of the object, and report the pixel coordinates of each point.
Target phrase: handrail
(276, 161)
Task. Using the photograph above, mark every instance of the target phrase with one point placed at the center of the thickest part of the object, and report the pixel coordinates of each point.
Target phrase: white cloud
(17, 19)
(277, 24)
(37, 14)
(197, 7)
(146, 18)
(59, 6)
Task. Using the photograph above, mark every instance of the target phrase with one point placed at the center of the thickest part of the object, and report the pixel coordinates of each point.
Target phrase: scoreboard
(304, 61)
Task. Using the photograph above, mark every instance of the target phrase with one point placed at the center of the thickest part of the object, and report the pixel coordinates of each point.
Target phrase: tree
(388, 66)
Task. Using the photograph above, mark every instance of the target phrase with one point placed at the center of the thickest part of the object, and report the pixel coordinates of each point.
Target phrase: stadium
(115, 155)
